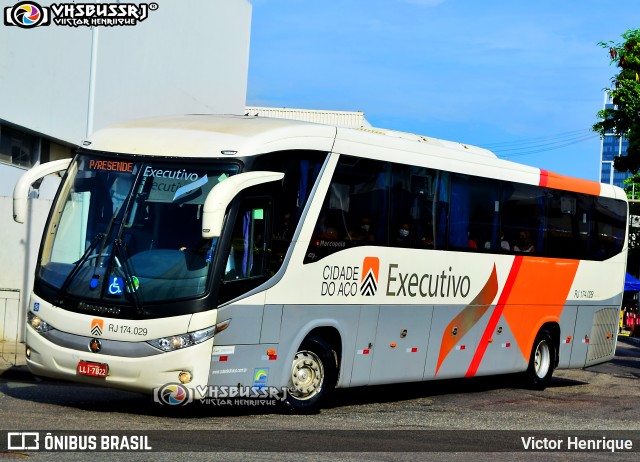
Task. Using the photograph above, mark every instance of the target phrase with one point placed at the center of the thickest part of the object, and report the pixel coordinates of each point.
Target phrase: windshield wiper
(120, 250)
(78, 266)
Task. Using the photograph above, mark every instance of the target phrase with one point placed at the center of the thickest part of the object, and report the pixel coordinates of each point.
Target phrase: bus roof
(225, 136)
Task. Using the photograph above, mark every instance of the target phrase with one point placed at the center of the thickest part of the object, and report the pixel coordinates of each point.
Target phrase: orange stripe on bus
(567, 183)
(468, 317)
(495, 317)
(538, 296)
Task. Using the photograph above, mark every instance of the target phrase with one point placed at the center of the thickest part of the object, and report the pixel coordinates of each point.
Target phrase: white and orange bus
(242, 251)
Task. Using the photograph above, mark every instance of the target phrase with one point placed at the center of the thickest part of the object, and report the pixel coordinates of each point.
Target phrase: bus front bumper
(140, 374)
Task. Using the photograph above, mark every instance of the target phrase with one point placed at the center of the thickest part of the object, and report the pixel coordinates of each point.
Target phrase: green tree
(624, 119)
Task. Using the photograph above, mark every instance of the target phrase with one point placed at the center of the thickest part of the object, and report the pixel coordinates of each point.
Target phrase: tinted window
(609, 221)
(474, 214)
(372, 202)
(523, 217)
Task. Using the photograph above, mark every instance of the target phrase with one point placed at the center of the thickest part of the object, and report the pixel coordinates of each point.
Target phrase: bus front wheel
(541, 362)
(313, 374)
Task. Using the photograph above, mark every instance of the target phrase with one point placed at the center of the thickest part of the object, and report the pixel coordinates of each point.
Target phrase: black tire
(313, 375)
(542, 361)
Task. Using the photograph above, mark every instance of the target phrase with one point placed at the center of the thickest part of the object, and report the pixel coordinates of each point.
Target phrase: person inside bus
(504, 244)
(403, 239)
(473, 245)
(523, 243)
(427, 239)
(363, 232)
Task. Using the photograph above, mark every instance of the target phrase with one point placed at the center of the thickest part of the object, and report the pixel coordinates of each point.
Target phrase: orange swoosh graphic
(468, 317)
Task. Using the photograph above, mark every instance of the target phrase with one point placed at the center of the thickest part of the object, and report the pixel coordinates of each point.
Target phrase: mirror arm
(221, 195)
(21, 190)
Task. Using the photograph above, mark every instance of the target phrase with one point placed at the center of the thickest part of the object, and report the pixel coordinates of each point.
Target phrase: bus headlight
(37, 323)
(176, 342)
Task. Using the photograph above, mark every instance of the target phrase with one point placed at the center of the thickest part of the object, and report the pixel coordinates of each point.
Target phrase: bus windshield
(129, 231)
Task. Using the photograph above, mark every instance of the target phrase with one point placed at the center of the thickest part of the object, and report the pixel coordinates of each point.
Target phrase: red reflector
(414, 350)
(365, 352)
(224, 358)
(273, 357)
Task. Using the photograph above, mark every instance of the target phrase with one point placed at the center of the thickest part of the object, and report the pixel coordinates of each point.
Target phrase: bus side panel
(401, 343)
(455, 332)
(567, 334)
(238, 357)
(604, 333)
(595, 335)
(245, 326)
(271, 321)
(502, 354)
(367, 326)
(245, 365)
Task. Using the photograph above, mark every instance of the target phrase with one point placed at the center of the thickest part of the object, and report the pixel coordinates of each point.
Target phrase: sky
(522, 78)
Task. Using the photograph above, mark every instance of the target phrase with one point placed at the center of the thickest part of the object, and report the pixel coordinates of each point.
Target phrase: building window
(17, 147)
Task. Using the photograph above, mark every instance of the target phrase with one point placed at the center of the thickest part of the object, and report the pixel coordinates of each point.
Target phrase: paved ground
(602, 399)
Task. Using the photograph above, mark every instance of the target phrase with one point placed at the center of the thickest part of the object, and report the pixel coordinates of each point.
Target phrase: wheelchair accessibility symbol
(116, 285)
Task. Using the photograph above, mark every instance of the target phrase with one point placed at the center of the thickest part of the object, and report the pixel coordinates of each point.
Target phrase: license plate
(93, 369)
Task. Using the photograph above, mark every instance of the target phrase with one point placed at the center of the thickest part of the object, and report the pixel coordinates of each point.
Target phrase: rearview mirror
(21, 190)
(223, 193)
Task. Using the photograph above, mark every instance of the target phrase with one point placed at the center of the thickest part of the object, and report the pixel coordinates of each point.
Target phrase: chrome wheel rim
(542, 359)
(307, 375)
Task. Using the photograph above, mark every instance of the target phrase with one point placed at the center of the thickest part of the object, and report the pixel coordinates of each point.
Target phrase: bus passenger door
(367, 325)
(400, 349)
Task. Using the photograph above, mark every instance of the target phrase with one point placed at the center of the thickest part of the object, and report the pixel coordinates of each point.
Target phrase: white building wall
(188, 56)
(18, 254)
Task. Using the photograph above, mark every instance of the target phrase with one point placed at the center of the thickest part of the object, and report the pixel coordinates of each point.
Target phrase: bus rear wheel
(313, 375)
(541, 362)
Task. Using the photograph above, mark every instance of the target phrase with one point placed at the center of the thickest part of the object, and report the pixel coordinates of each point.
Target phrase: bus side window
(609, 230)
(524, 211)
(248, 257)
(248, 245)
(565, 218)
(474, 214)
(355, 209)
